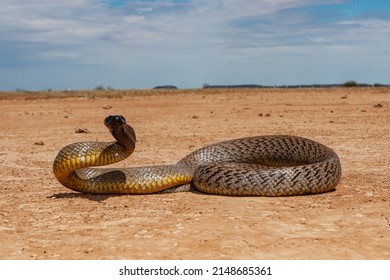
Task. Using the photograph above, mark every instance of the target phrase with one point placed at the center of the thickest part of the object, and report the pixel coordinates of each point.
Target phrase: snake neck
(88, 154)
(125, 136)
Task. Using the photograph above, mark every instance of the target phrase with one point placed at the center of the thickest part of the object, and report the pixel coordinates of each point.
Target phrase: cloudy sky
(80, 44)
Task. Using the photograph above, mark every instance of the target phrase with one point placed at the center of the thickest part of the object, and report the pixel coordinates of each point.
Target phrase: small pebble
(82, 130)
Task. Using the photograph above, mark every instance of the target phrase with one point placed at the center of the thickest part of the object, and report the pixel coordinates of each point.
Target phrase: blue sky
(80, 44)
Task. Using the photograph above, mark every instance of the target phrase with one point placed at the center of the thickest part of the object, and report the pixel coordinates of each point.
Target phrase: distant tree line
(350, 83)
(346, 84)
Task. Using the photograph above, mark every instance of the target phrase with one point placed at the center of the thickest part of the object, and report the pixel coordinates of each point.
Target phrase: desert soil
(41, 219)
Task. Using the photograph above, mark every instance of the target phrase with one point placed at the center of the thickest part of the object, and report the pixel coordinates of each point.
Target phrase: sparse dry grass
(116, 93)
(92, 94)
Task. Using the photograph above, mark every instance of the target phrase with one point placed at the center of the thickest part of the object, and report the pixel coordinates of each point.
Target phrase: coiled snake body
(265, 165)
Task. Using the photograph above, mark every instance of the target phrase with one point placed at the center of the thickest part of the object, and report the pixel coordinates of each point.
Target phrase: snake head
(114, 122)
(121, 131)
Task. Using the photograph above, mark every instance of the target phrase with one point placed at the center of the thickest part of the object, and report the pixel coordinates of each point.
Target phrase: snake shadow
(184, 188)
(92, 197)
(103, 197)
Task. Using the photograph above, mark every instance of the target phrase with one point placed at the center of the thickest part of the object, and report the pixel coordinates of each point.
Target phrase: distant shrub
(100, 87)
(165, 87)
(351, 84)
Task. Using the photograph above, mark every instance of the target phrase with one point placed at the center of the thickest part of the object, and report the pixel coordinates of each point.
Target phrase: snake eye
(122, 119)
(108, 120)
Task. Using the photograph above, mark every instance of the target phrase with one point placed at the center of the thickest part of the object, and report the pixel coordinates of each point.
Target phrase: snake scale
(274, 165)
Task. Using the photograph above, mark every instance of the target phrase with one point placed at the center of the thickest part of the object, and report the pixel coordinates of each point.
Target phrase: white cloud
(202, 37)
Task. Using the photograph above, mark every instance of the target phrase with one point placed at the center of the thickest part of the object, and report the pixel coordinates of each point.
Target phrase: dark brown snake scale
(274, 165)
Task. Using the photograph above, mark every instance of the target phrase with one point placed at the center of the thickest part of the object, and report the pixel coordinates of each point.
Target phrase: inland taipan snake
(265, 165)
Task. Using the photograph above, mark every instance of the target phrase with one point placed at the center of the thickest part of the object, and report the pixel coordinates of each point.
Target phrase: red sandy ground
(40, 219)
